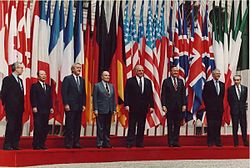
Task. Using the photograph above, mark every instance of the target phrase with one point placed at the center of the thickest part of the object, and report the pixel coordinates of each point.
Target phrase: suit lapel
(15, 81)
(74, 81)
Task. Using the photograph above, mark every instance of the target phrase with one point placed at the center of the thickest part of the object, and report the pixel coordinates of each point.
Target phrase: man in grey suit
(237, 99)
(104, 107)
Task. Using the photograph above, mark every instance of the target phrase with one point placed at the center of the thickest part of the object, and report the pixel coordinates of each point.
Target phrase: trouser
(103, 122)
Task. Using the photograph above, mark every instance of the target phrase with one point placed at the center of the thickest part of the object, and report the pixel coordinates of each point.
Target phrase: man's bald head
(139, 70)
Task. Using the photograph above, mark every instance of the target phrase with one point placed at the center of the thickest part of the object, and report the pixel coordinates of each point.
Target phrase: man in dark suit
(104, 107)
(213, 95)
(237, 99)
(173, 104)
(12, 95)
(41, 102)
(74, 100)
(138, 99)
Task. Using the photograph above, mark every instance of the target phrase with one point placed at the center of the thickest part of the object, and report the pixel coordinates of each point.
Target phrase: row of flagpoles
(31, 38)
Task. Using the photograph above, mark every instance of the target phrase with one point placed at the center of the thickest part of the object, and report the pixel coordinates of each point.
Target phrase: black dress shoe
(68, 146)
(16, 148)
(108, 146)
(129, 146)
(218, 145)
(7, 148)
(236, 145)
(78, 146)
(99, 147)
(246, 143)
(170, 145)
(176, 145)
(209, 145)
(37, 148)
(44, 148)
(140, 146)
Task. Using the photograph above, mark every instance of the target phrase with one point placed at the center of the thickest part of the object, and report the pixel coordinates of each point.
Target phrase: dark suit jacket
(40, 99)
(133, 98)
(12, 95)
(70, 94)
(173, 100)
(103, 102)
(213, 102)
(237, 106)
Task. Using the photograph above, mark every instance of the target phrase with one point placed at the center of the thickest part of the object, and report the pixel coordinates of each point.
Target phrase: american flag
(128, 42)
(141, 36)
(134, 39)
(170, 36)
(151, 70)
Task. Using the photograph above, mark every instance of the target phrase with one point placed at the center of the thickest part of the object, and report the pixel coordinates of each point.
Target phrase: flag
(12, 34)
(54, 51)
(141, 35)
(121, 75)
(78, 35)
(59, 112)
(128, 42)
(88, 63)
(44, 33)
(68, 53)
(244, 51)
(170, 36)
(177, 37)
(34, 48)
(104, 58)
(163, 64)
(151, 70)
(134, 39)
(21, 54)
(196, 74)
(3, 61)
(234, 52)
(96, 36)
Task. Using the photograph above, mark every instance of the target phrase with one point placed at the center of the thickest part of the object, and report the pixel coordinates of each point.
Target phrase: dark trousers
(103, 122)
(13, 129)
(72, 127)
(139, 121)
(40, 129)
(173, 130)
(213, 131)
(236, 119)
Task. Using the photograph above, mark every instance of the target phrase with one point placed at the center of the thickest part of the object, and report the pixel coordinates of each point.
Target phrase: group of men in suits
(138, 101)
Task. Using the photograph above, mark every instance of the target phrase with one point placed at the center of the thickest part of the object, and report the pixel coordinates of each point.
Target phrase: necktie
(107, 88)
(217, 87)
(239, 93)
(44, 86)
(175, 84)
(140, 85)
(20, 83)
(78, 83)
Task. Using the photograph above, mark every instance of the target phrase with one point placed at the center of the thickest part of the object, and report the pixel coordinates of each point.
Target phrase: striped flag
(128, 42)
(88, 63)
(44, 33)
(134, 38)
(170, 37)
(3, 61)
(141, 36)
(151, 70)
(121, 75)
(68, 53)
(59, 112)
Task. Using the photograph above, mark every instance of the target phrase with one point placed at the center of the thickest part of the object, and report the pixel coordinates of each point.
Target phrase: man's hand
(66, 108)
(83, 108)
(51, 111)
(127, 108)
(114, 112)
(96, 113)
(151, 110)
(164, 109)
(183, 108)
(34, 109)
